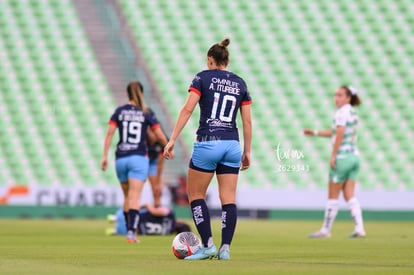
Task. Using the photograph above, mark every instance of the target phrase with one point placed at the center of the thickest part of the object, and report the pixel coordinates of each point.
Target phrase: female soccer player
(344, 163)
(132, 121)
(219, 94)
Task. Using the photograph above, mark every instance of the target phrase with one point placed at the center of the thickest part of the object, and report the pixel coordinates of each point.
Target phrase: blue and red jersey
(221, 95)
(132, 125)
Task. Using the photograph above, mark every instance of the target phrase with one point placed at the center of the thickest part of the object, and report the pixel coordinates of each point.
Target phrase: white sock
(331, 211)
(225, 247)
(356, 214)
(210, 242)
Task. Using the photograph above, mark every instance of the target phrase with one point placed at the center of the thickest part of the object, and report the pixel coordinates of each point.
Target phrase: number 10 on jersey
(227, 99)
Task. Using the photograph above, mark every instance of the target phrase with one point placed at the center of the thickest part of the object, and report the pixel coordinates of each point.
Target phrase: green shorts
(346, 168)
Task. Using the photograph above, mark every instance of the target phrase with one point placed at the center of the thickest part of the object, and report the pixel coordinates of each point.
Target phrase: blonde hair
(136, 95)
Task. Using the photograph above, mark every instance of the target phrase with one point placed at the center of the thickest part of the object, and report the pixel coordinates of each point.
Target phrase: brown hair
(220, 53)
(355, 100)
(136, 94)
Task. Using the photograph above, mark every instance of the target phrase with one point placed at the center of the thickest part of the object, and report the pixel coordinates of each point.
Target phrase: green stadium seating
(293, 55)
(54, 105)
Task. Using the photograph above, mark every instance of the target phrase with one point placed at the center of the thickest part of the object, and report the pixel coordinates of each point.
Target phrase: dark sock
(228, 222)
(201, 218)
(133, 219)
(126, 219)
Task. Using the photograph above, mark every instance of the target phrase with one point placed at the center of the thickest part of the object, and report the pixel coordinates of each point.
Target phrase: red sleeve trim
(246, 102)
(113, 123)
(155, 126)
(194, 90)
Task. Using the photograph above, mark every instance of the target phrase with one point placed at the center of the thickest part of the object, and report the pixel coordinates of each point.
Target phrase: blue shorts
(220, 156)
(153, 167)
(134, 167)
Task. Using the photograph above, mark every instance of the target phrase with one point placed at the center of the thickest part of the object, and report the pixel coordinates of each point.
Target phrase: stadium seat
(292, 54)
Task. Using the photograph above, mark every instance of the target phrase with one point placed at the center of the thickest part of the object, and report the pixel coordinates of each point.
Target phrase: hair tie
(352, 90)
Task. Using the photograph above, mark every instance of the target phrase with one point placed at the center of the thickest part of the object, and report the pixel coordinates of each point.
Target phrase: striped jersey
(346, 116)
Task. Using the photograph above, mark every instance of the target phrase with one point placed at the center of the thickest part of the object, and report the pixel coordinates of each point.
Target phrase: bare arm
(322, 133)
(160, 136)
(107, 143)
(245, 112)
(151, 136)
(182, 120)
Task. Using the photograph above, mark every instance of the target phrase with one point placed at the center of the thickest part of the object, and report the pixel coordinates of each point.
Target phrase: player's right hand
(245, 164)
(308, 132)
(169, 150)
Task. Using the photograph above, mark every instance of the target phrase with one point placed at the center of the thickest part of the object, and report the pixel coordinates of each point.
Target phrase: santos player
(344, 162)
(220, 94)
(132, 121)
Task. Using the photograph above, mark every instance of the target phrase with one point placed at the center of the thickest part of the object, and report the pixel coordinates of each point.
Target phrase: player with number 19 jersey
(221, 95)
(132, 125)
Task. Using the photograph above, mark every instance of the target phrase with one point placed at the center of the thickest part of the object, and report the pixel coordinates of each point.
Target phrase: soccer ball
(185, 244)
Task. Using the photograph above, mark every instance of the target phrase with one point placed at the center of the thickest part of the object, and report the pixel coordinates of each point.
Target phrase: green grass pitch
(259, 247)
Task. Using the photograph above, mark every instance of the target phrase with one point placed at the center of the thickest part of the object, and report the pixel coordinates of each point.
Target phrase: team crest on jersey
(196, 79)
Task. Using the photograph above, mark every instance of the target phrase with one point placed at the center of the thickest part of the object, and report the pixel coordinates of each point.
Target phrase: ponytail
(355, 100)
(136, 95)
(353, 93)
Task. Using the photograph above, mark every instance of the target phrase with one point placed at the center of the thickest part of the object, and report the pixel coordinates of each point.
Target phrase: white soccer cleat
(111, 218)
(360, 234)
(319, 235)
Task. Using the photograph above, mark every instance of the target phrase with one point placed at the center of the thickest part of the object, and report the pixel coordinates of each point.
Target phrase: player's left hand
(104, 163)
(332, 162)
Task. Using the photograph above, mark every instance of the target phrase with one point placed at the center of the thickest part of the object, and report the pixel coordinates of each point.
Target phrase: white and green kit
(347, 158)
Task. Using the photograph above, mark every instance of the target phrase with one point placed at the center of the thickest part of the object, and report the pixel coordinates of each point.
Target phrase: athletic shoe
(358, 234)
(110, 231)
(319, 235)
(111, 218)
(224, 255)
(203, 253)
(131, 237)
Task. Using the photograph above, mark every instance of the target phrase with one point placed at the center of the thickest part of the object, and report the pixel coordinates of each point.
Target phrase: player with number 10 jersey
(221, 94)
